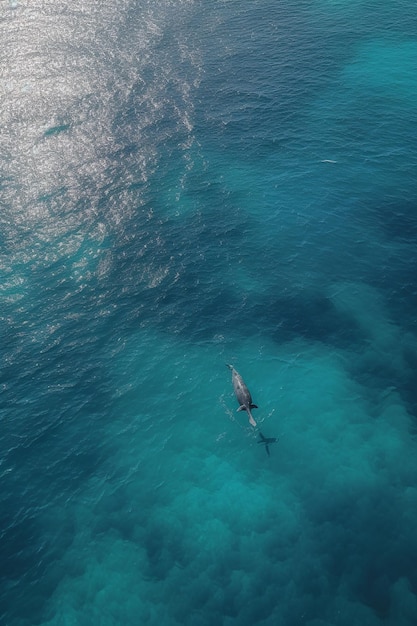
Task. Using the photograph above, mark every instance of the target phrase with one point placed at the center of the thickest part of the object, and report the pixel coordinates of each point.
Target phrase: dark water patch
(224, 312)
(396, 281)
(378, 370)
(55, 404)
(27, 558)
(19, 541)
(408, 387)
(399, 221)
(56, 450)
(378, 375)
(54, 200)
(56, 130)
(199, 298)
(108, 518)
(314, 317)
(164, 548)
(361, 541)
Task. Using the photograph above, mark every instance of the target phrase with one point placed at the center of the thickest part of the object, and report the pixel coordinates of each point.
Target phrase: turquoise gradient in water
(185, 185)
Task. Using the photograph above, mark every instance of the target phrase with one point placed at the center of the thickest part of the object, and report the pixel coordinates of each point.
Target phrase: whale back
(242, 394)
(241, 391)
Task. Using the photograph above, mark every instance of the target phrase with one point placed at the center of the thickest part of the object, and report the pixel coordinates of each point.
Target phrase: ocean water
(186, 184)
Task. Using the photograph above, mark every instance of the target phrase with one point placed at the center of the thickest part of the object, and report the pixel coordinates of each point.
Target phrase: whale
(266, 441)
(242, 394)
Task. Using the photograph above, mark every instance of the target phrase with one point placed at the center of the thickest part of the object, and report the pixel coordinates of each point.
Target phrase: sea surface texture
(186, 184)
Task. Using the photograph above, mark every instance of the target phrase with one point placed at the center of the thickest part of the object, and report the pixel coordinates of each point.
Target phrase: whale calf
(242, 394)
(266, 441)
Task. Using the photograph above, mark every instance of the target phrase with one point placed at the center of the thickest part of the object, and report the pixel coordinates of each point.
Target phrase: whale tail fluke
(243, 407)
(262, 438)
(229, 366)
(251, 420)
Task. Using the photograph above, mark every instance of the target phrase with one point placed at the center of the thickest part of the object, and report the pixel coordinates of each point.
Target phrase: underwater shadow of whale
(266, 441)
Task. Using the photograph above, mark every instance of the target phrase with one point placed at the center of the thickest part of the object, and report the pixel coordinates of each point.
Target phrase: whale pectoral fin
(241, 408)
(253, 406)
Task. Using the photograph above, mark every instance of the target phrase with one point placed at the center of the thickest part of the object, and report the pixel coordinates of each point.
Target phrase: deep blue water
(185, 184)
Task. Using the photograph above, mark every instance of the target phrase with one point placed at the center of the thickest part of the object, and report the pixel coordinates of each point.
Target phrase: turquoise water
(186, 184)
